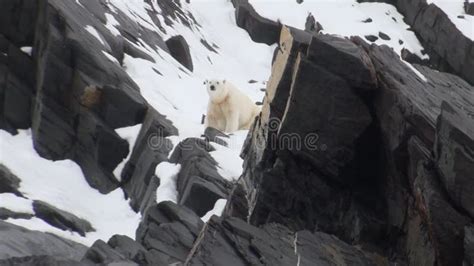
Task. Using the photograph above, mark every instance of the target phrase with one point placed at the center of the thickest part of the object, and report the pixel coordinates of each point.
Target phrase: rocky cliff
(357, 158)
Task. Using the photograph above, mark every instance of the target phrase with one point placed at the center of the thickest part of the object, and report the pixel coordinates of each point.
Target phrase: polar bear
(229, 109)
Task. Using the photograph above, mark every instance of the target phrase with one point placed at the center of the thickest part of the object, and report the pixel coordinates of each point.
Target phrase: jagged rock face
(394, 119)
(232, 241)
(299, 183)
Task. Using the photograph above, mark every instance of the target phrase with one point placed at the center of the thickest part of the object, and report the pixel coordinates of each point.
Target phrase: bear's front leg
(232, 123)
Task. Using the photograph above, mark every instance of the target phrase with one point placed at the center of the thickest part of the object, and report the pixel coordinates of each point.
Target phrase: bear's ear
(205, 82)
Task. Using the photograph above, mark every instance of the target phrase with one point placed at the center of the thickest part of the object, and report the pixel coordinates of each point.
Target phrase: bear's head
(217, 90)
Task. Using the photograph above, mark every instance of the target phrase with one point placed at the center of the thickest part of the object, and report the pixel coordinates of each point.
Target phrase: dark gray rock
(151, 148)
(446, 225)
(333, 52)
(168, 231)
(233, 242)
(42, 260)
(413, 58)
(335, 127)
(455, 155)
(120, 250)
(9, 183)
(101, 253)
(407, 104)
(323, 249)
(312, 25)
(260, 29)
(371, 38)
(17, 79)
(285, 179)
(17, 241)
(7, 214)
(384, 36)
(69, 119)
(179, 50)
(469, 244)
(17, 20)
(469, 7)
(61, 219)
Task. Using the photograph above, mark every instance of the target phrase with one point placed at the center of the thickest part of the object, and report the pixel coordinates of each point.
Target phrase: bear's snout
(213, 88)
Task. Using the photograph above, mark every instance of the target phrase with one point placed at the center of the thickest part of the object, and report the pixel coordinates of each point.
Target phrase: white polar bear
(229, 109)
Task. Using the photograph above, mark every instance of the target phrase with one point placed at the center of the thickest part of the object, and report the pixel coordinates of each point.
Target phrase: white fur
(229, 109)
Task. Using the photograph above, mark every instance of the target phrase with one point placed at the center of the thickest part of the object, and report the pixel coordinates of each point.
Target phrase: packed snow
(62, 185)
(345, 18)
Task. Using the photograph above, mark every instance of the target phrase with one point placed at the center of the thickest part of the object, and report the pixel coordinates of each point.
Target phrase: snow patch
(17, 204)
(345, 18)
(167, 173)
(129, 134)
(95, 33)
(219, 207)
(27, 50)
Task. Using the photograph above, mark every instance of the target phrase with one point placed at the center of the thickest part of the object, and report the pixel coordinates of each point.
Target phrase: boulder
(61, 219)
(101, 253)
(454, 150)
(260, 29)
(198, 176)
(179, 50)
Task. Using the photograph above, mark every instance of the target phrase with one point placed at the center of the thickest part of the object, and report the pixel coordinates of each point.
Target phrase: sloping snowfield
(180, 95)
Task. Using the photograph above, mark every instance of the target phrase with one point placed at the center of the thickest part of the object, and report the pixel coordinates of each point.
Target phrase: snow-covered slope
(171, 89)
(346, 18)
